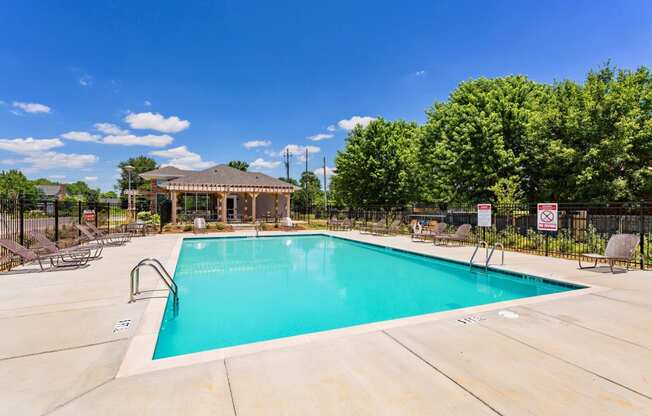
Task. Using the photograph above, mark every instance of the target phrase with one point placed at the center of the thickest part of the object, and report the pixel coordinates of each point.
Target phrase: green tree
(239, 164)
(378, 165)
(476, 138)
(141, 164)
(309, 193)
(80, 191)
(44, 181)
(108, 194)
(596, 138)
(13, 184)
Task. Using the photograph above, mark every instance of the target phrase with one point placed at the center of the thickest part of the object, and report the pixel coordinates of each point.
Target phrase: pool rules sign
(484, 215)
(547, 217)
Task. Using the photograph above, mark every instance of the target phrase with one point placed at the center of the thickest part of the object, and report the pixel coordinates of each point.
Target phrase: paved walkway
(588, 354)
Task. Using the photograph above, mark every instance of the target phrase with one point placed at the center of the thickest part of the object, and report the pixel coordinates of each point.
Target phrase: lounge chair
(58, 260)
(620, 247)
(368, 228)
(199, 225)
(461, 235)
(51, 247)
(346, 225)
(393, 228)
(88, 237)
(334, 223)
(99, 233)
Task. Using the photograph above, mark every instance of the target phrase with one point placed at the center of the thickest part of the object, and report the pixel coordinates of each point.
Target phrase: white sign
(484, 215)
(547, 217)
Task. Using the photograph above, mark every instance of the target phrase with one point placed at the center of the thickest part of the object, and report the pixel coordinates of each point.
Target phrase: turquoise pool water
(236, 291)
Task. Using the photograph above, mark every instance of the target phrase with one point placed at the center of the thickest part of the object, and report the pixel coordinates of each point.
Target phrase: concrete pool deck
(585, 354)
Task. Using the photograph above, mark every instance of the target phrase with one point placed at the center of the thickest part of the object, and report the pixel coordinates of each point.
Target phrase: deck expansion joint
(228, 382)
(63, 349)
(597, 331)
(429, 364)
(510, 337)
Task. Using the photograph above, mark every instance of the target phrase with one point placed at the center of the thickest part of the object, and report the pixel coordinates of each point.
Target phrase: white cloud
(261, 163)
(183, 158)
(420, 73)
(49, 160)
(90, 178)
(81, 136)
(320, 172)
(108, 128)
(86, 80)
(320, 136)
(29, 145)
(32, 107)
(56, 176)
(331, 127)
(133, 140)
(155, 121)
(355, 121)
(251, 144)
(147, 103)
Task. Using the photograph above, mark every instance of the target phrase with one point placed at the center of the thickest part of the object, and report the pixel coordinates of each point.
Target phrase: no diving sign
(547, 217)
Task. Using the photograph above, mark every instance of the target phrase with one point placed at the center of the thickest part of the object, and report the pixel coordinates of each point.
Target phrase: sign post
(484, 217)
(547, 219)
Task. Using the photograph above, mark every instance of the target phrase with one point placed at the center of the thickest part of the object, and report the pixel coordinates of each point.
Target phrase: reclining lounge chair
(55, 261)
(460, 236)
(51, 247)
(620, 247)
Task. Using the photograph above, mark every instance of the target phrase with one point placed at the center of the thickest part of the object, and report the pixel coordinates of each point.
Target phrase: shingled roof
(223, 177)
(165, 172)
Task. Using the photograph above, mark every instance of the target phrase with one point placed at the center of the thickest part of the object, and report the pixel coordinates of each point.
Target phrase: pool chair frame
(56, 261)
(620, 247)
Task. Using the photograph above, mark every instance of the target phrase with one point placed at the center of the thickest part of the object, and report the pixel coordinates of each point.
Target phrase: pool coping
(138, 358)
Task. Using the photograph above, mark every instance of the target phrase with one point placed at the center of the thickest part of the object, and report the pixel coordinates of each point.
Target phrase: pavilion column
(287, 205)
(253, 206)
(276, 207)
(173, 196)
(224, 219)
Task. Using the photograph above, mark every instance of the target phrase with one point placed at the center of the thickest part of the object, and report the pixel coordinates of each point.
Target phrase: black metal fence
(57, 219)
(582, 228)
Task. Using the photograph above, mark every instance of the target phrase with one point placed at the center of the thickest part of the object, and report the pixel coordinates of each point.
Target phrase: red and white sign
(484, 215)
(89, 215)
(547, 216)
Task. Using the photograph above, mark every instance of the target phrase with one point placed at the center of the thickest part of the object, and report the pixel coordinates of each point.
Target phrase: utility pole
(325, 191)
(287, 164)
(306, 159)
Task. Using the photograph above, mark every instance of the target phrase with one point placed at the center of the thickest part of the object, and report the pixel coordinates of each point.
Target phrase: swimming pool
(239, 290)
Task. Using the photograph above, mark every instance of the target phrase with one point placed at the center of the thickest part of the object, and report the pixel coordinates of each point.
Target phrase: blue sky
(84, 86)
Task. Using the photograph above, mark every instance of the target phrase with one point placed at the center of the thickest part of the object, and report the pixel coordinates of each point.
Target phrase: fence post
(96, 212)
(56, 221)
(108, 217)
(79, 216)
(547, 234)
(642, 235)
(21, 207)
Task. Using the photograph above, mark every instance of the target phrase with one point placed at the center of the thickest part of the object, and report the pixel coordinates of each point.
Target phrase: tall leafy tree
(378, 165)
(14, 184)
(476, 138)
(309, 193)
(239, 164)
(141, 164)
(598, 138)
(80, 191)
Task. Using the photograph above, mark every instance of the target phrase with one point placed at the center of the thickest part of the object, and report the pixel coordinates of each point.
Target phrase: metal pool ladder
(487, 254)
(162, 273)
